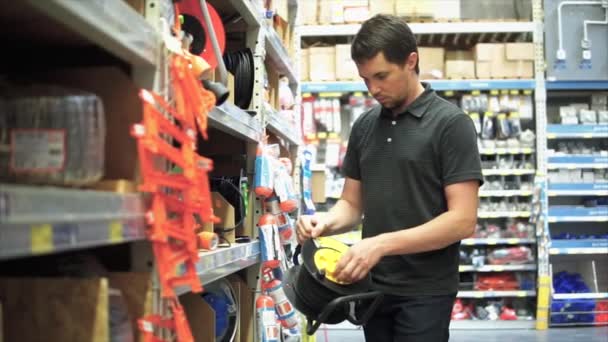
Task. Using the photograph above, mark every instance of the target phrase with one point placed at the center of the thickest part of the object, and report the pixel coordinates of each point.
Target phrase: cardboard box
(346, 69)
(511, 60)
(308, 12)
(341, 11)
(56, 309)
(431, 62)
(431, 9)
(459, 64)
(460, 69)
(381, 7)
(304, 64)
(226, 213)
(519, 60)
(322, 63)
(325, 8)
(318, 185)
(485, 55)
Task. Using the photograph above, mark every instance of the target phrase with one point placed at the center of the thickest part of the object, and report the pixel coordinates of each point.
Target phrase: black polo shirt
(404, 163)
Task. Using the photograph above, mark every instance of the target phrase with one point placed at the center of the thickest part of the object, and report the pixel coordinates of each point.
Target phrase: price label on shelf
(480, 294)
(492, 241)
(522, 294)
(498, 268)
(513, 241)
(41, 238)
(115, 231)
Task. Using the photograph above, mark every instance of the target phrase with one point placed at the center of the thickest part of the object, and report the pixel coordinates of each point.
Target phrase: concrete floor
(574, 334)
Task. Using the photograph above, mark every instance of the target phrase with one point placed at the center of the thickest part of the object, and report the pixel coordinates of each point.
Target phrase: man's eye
(381, 76)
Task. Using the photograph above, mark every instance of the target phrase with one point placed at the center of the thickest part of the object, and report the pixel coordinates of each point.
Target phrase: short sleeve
(460, 161)
(350, 166)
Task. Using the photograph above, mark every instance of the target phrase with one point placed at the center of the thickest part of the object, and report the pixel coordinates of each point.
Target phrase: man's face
(387, 82)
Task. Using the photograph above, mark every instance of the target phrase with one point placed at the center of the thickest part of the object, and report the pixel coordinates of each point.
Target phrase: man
(412, 171)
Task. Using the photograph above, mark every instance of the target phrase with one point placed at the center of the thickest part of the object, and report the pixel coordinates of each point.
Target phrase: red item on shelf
(459, 311)
(496, 282)
(601, 306)
(507, 314)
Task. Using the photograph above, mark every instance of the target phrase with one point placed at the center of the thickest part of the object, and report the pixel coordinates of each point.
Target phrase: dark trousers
(411, 319)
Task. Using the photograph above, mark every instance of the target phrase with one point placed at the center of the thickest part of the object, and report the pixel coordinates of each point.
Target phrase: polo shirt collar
(418, 107)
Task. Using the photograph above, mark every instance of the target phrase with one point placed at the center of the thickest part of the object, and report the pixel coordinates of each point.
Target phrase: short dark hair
(387, 34)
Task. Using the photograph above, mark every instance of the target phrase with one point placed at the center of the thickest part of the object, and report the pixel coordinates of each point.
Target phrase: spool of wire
(240, 64)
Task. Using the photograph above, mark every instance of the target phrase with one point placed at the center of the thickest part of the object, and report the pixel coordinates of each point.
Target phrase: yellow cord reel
(328, 254)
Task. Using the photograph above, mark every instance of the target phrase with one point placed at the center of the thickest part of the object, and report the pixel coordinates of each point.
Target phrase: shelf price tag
(492, 241)
(522, 294)
(499, 268)
(41, 238)
(448, 93)
(115, 231)
(480, 294)
(512, 241)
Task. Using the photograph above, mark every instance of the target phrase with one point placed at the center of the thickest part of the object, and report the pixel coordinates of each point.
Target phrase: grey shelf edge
(425, 28)
(492, 325)
(37, 220)
(111, 24)
(250, 13)
(497, 268)
(276, 51)
(222, 262)
(279, 127)
(235, 121)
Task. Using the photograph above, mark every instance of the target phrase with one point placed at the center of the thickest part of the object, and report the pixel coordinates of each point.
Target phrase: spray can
(268, 327)
(285, 227)
(264, 178)
(270, 241)
(274, 288)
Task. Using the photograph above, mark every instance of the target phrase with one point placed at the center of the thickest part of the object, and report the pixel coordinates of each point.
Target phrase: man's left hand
(358, 261)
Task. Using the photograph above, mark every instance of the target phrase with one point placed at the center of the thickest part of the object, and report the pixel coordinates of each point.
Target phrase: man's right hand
(311, 226)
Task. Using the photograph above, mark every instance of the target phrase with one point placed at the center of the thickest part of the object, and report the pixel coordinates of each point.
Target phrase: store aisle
(580, 334)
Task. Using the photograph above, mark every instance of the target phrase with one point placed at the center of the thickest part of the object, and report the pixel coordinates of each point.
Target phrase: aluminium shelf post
(540, 95)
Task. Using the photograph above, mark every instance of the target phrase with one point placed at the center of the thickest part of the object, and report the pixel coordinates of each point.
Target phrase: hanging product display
(314, 292)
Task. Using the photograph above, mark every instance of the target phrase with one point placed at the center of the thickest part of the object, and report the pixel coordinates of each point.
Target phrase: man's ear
(411, 61)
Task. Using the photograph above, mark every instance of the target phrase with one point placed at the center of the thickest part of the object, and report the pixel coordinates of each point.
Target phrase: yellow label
(551, 136)
(493, 92)
(41, 238)
(461, 268)
(311, 136)
(115, 231)
(333, 135)
(479, 295)
(330, 94)
(514, 92)
(522, 294)
(492, 241)
(306, 94)
(512, 241)
(526, 150)
(448, 93)
(322, 135)
(475, 92)
(474, 115)
(528, 92)
(587, 135)
(499, 268)
(468, 242)
(489, 114)
(504, 92)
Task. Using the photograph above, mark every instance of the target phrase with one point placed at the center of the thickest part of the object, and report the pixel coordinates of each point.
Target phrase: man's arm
(457, 223)
(344, 215)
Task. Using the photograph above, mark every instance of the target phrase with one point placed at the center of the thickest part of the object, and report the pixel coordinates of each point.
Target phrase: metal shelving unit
(505, 193)
(425, 28)
(41, 220)
(463, 85)
(112, 25)
(489, 242)
(495, 294)
(497, 268)
(235, 121)
(218, 264)
(582, 246)
(508, 172)
(492, 325)
(576, 85)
